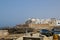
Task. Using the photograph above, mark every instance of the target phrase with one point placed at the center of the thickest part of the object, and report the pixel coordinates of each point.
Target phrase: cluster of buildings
(30, 25)
(53, 21)
(42, 23)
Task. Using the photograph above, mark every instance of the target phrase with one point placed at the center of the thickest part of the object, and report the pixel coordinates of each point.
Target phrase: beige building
(41, 26)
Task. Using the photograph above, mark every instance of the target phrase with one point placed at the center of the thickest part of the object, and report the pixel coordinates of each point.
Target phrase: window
(58, 23)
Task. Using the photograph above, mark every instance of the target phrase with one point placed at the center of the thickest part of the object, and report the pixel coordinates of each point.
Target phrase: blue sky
(14, 12)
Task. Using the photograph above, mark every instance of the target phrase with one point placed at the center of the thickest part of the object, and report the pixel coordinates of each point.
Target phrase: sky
(13, 12)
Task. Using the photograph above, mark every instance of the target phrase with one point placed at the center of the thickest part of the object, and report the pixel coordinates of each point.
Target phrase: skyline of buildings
(53, 21)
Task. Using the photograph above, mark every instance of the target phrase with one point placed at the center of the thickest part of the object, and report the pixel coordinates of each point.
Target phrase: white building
(57, 22)
(52, 21)
(33, 21)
